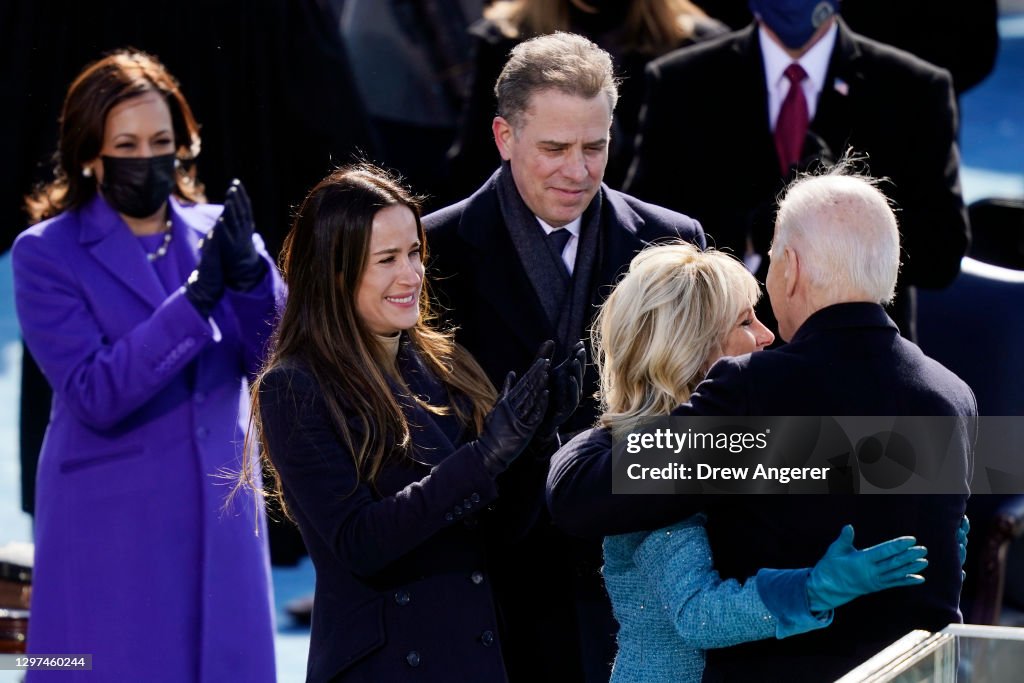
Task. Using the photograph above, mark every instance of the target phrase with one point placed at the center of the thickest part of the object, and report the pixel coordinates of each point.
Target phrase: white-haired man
(834, 261)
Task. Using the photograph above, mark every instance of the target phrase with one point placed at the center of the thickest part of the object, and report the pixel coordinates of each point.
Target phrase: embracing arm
(102, 381)
(709, 612)
(580, 498)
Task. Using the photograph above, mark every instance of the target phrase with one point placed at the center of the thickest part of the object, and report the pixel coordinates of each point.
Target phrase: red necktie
(791, 128)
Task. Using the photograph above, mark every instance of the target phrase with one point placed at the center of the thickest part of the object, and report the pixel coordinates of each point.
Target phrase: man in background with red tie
(728, 122)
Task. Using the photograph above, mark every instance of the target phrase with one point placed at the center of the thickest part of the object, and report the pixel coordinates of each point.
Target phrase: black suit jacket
(705, 147)
(846, 359)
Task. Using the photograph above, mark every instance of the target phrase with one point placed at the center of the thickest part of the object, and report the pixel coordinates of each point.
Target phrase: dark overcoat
(137, 560)
(403, 587)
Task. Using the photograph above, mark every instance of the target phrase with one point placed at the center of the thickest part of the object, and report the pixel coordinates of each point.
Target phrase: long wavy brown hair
(119, 76)
(322, 260)
(652, 26)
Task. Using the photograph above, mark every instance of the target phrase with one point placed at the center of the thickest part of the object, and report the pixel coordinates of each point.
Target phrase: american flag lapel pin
(842, 87)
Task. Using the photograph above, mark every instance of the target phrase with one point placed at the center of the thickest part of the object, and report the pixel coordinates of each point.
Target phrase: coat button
(402, 598)
(457, 511)
(201, 432)
(448, 516)
(474, 497)
(466, 504)
(487, 638)
(477, 578)
(199, 397)
(413, 658)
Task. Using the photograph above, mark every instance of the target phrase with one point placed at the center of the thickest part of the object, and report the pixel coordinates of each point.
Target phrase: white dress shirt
(814, 62)
(569, 252)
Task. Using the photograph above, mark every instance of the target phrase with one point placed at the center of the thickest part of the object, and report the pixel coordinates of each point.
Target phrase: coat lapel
(500, 277)
(836, 113)
(621, 237)
(430, 443)
(752, 100)
(114, 246)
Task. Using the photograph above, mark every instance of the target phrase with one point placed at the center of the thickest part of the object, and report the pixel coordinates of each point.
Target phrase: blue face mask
(794, 21)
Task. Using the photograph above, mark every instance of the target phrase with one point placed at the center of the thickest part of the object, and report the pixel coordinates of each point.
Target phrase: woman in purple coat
(395, 456)
(147, 311)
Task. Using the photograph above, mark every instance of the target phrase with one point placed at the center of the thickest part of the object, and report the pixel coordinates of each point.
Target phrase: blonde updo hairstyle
(663, 327)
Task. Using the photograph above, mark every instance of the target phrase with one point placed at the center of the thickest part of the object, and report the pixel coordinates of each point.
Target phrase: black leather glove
(205, 286)
(565, 385)
(244, 268)
(513, 421)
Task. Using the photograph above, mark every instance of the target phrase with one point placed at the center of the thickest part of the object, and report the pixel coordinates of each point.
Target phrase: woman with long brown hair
(392, 450)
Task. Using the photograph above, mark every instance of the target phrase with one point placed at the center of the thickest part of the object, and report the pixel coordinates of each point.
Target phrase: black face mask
(135, 186)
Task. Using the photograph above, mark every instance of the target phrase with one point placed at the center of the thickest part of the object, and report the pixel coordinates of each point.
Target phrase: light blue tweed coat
(671, 604)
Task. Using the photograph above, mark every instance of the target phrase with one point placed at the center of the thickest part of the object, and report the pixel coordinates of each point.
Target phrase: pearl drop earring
(86, 172)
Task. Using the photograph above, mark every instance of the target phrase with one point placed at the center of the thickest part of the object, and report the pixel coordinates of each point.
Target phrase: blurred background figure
(412, 63)
(137, 560)
(632, 31)
(961, 37)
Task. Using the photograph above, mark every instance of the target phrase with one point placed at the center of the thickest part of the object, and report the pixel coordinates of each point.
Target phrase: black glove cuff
(203, 302)
(493, 464)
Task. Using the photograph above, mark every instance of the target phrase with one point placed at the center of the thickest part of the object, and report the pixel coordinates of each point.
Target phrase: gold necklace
(161, 251)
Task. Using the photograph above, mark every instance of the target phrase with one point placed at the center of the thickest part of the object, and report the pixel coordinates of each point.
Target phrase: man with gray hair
(528, 257)
(834, 262)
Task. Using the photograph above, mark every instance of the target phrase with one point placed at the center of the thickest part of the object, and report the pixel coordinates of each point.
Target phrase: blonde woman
(676, 312)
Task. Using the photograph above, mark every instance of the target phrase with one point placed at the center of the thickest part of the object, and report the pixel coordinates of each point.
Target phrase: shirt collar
(573, 227)
(815, 61)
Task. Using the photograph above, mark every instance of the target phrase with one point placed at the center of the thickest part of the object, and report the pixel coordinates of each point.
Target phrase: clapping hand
(205, 286)
(244, 268)
(516, 415)
(565, 385)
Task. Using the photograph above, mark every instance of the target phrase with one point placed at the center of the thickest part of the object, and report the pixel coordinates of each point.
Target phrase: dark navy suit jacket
(846, 359)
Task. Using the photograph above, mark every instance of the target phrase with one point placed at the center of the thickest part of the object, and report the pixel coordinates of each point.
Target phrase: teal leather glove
(961, 540)
(845, 573)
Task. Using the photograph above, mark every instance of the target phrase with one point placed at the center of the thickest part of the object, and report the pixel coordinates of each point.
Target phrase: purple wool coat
(136, 561)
